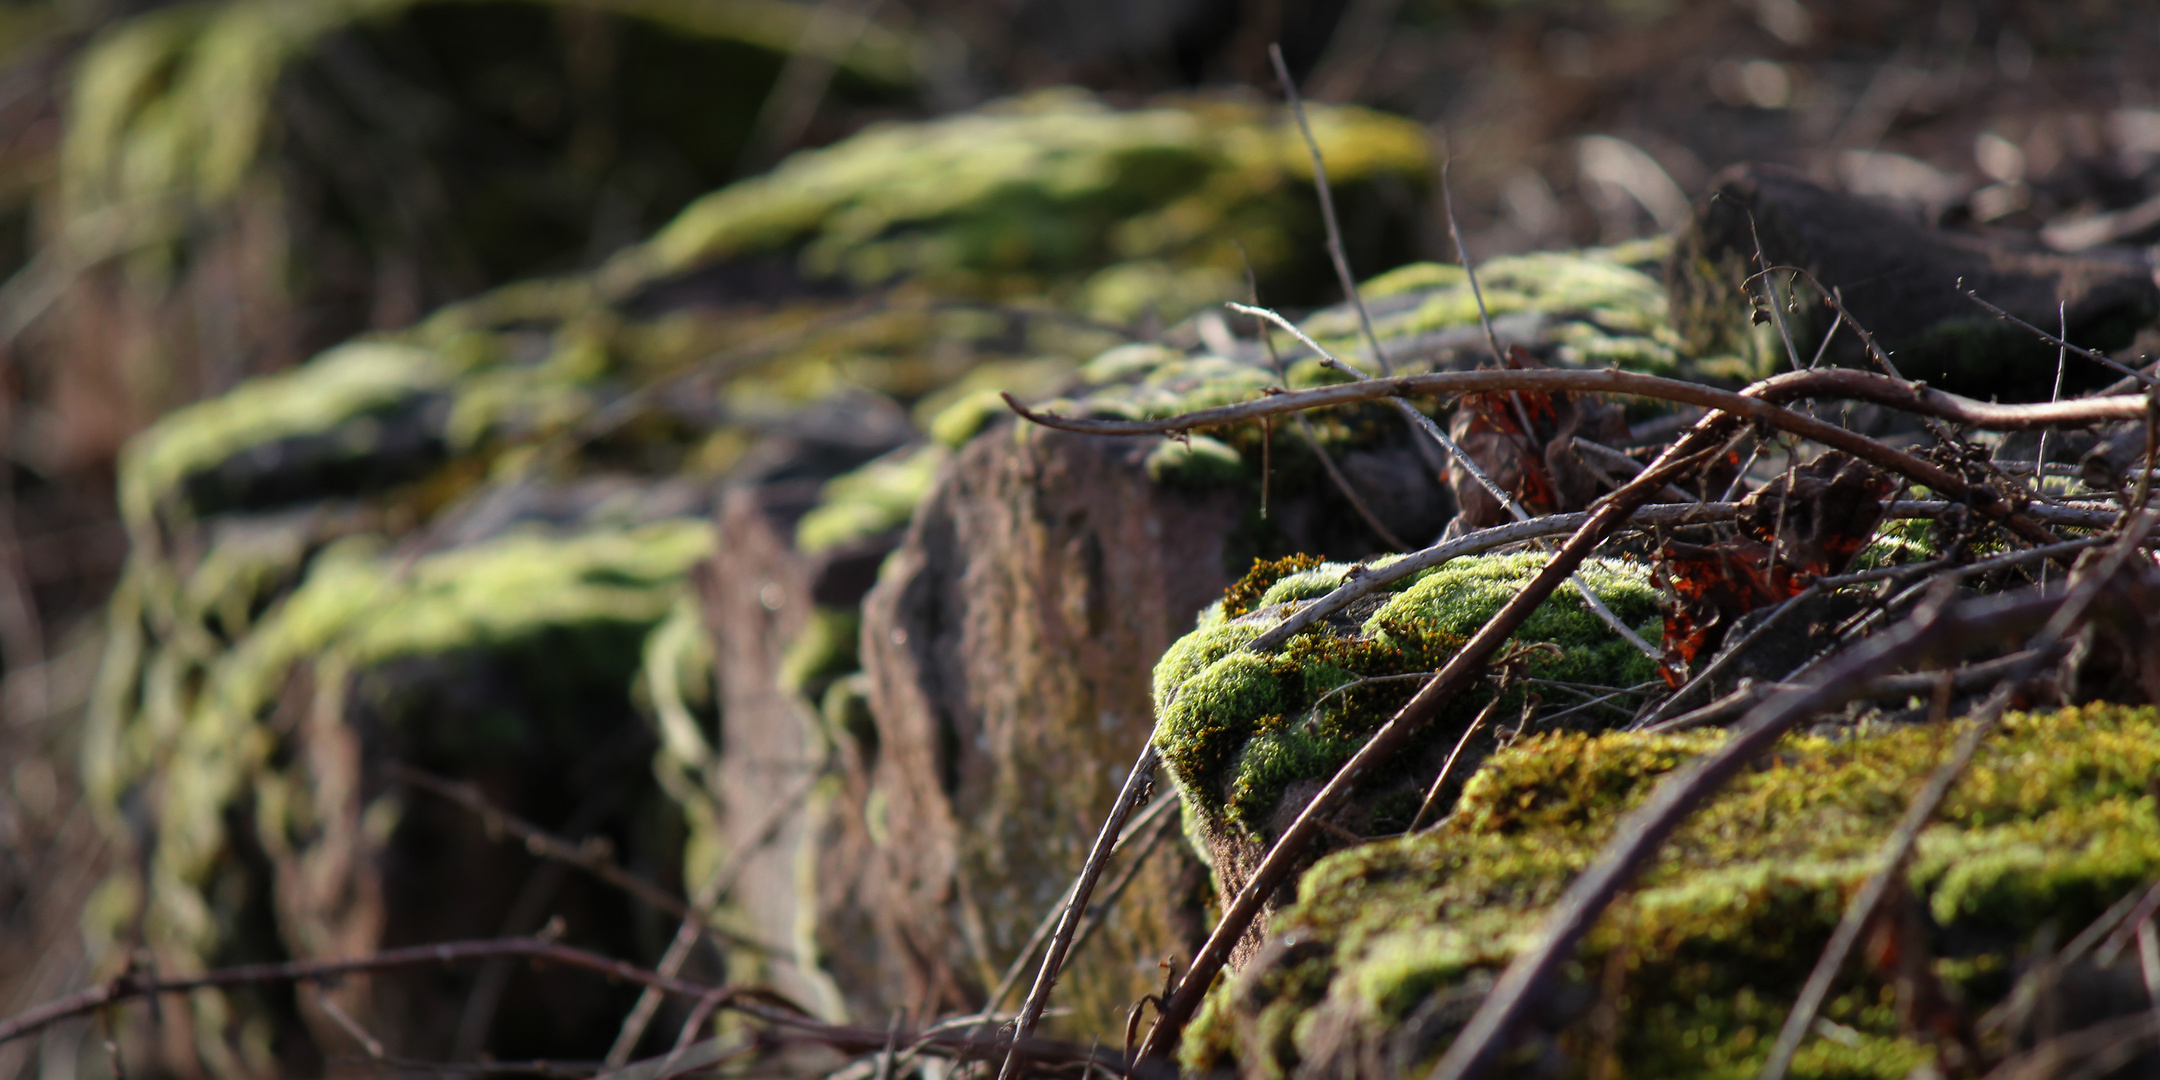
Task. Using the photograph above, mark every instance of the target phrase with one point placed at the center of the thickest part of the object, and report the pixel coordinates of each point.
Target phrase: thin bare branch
(1931, 632)
(2098, 357)
(709, 893)
(1364, 581)
(1129, 796)
(1011, 978)
(1757, 403)
(593, 858)
(130, 986)
(1431, 805)
(1336, 254)
(1462, 255)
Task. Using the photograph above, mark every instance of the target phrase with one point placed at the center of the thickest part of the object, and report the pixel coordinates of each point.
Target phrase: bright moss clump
(1391, 945)
(1600, 307)
(1239, 729)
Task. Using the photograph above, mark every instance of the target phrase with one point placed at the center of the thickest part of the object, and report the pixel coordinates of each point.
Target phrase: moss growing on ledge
(1012, 197)
(1595, 308)
(1391, 945)
(872, 500)
(1239, 729)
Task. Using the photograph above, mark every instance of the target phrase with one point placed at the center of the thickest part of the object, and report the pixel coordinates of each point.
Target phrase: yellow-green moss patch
(2053, 821)
(1237, 728)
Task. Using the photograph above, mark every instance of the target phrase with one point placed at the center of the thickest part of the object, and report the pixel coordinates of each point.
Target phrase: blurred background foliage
(589, 239)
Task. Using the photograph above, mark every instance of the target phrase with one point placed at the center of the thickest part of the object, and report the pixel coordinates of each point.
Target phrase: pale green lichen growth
(2051, 823)
(872, 500)
(337, 393)
(1049, 183)
(586, 601)
(1237, 727)
(1599, 308)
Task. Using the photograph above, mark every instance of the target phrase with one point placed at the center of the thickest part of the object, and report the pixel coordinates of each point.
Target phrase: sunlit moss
(1599, 307)
(2052, 822)
(1004, 199)
(336, 397)
(872, 500)
(1237, 728)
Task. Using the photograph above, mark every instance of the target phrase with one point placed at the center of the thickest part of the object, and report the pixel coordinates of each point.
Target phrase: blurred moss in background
(570, 262)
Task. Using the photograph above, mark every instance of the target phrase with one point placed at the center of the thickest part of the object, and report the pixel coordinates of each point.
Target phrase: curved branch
(1757, 402)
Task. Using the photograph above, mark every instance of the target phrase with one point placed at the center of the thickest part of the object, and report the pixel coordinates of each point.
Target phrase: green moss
(958, 412)
(567, 613)
(2052, 822)
(1047, 185)
(1194, 462)
(1603, 310)
(872, 500)
(340, 392)
(677, 679)
(1239, 728)
(824, 652)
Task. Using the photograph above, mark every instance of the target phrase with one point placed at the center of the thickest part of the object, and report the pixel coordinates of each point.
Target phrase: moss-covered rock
(312, 169)
(1600, 307)
(1250, 736)
(1903, 282)
(1391, 945)
(457, 545)
(1138, 211)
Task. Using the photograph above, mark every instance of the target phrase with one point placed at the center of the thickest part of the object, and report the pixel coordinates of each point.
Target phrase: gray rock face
(1008, 646)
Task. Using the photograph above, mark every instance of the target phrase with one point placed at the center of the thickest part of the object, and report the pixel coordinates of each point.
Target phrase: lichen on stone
(1390, 945)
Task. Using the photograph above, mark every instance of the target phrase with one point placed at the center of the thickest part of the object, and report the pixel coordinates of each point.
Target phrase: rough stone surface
(788, 790)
